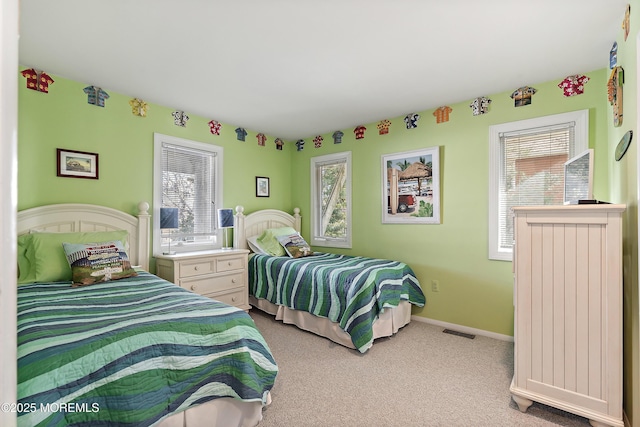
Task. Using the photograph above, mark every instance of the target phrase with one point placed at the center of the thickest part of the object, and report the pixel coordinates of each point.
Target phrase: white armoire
(568, 310)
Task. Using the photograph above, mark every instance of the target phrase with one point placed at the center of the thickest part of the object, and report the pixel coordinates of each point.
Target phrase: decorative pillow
(295, 245)
(97, 262)
(47, 256)
(26, 260)
(268, 240)
(254, 245)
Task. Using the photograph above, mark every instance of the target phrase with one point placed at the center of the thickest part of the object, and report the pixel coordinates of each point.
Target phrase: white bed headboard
(75, 217)
(255, 223)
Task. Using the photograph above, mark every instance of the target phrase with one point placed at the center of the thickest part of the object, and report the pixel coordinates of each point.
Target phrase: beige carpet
(419, 377)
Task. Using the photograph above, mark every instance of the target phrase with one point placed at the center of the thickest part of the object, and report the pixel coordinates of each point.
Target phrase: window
(526, 168)
(187, 176)
(331, 200)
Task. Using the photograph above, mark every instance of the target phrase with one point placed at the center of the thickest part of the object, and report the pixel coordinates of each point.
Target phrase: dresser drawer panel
(237, 298)
(197, 267)
(213, 284)
(230, 263)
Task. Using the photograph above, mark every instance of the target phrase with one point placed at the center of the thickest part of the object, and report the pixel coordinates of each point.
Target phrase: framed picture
(262, 186)
(411, 187)
(77, 164)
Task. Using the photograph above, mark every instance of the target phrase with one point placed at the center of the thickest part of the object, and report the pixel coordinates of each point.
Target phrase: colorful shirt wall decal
(138, 107)
(37, 80)
(573, 85)
(95, 95)
(613, 55)
(480, 105)
(180, 118)
(522, 96)
(383, 127)
(359, 132)
(614, 91)
(626, 23)
(337, 137)
(317, 141)
(241, 133)
(411, 120)
(442, 114)
(279, 143)
(214, 127)
(262, 139)
(300, 145)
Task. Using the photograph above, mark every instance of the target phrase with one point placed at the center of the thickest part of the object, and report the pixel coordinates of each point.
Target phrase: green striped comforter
(351, 291)
(130, 352)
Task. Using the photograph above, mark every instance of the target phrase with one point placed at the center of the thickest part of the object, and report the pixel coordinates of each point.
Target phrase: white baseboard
(464, 329)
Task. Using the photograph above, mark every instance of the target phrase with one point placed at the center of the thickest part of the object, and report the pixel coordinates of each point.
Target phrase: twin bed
(143, 351)
(136, 351)
(350, 300)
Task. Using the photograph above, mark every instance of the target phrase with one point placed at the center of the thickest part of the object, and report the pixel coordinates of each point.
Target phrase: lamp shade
(225, 218)
(168, 217)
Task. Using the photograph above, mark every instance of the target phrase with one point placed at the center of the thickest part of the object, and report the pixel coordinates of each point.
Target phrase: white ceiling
(298, 68)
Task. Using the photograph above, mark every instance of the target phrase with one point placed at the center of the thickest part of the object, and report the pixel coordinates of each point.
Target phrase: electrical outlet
(435, 286)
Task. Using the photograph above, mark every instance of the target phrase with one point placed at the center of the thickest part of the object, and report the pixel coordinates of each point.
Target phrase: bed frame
(254, 224)
(74, 217)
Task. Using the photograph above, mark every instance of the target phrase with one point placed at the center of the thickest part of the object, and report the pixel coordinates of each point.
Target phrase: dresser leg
(523, 404)
(595, 423)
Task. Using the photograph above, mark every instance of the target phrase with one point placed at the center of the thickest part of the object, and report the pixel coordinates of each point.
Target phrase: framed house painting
(411, 187)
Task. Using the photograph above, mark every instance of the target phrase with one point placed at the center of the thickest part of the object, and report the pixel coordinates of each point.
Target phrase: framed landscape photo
(411, 187)
(77, 164)
(262, 186)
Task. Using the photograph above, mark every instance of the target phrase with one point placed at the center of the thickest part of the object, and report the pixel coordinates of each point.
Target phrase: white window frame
(316, 215)
(581, 143)
(158, 140)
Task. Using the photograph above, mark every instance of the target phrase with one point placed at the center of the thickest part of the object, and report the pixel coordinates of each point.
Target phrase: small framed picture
(77, 164)
(262, 186)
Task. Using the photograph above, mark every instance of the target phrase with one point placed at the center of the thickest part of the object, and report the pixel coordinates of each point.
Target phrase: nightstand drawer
(213, 284)
(230, 263)
(236, 298)
(197, 267)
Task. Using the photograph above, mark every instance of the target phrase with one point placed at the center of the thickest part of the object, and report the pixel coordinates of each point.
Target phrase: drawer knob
(195, 268)
(194, 287)
(233, 280)
(229, 263)
(234, 299)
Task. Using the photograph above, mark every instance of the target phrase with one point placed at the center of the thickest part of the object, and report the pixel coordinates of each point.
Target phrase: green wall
(124, 142)
(623, 182)
(474, 291)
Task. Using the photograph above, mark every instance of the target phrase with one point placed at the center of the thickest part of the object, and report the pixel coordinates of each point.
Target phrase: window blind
(531, 170)
(188, 183)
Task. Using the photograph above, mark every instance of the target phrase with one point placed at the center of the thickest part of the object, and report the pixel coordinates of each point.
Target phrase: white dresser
(219, 274)
(568, 310)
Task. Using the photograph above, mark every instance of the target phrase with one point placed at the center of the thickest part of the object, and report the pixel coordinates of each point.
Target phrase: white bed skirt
(387, 324)
(223, 412)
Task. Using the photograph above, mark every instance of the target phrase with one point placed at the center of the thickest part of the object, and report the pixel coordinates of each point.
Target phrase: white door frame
(9, 205)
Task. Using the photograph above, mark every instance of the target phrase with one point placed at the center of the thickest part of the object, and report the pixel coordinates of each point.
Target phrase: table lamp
(225, 221)
(169, 221)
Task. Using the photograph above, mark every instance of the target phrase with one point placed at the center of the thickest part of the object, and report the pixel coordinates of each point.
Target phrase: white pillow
(255, 246)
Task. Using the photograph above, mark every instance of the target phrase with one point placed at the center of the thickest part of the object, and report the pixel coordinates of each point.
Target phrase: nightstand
(219, 274)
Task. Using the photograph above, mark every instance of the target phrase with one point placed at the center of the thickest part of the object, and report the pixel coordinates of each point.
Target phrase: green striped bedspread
(348, 290)
(131, 352)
